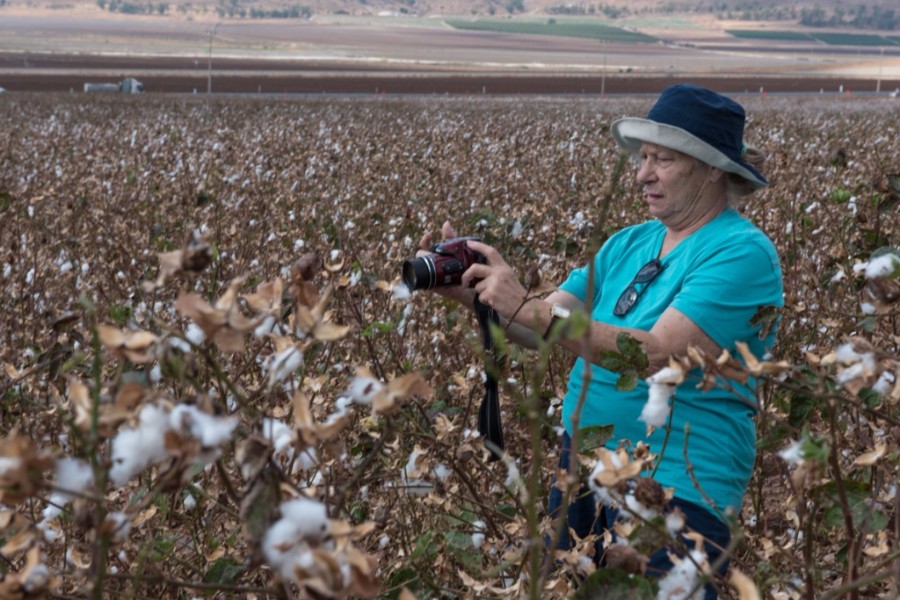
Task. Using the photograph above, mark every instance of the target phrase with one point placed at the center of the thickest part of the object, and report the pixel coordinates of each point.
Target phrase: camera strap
(489, 425)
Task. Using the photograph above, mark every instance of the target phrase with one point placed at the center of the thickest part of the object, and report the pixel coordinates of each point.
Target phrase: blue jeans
(585, 516)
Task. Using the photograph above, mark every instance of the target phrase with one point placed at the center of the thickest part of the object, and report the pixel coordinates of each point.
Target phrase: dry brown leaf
(757, 367)
(18, 543)
(868, 459)
(744, 586)
(144, 516)
(611, 475)
(267, 297)
(405, 594)
(392, 396)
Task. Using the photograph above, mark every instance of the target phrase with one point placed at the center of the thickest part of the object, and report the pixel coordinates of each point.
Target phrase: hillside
(765, 10)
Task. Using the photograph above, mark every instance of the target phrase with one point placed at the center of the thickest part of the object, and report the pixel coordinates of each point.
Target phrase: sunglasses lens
(648, 272)
(626, 301)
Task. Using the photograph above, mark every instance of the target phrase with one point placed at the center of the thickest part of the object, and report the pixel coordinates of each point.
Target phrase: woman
(697, 276)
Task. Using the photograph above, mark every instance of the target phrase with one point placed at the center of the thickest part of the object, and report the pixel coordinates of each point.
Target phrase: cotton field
(215, 384)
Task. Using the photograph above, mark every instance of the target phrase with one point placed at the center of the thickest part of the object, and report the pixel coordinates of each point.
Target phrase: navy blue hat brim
(631, 132)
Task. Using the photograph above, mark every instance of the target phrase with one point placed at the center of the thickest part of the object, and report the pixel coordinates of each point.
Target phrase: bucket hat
(697, 122)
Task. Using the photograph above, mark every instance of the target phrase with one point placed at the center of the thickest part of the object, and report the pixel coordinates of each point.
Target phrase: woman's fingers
(447, 230)
(492, 256)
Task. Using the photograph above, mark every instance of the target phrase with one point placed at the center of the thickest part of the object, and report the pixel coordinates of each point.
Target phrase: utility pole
(605, 41)
(880, 65)
(212, 32)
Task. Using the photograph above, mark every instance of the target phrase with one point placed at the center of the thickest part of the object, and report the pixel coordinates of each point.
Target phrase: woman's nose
(645, 172)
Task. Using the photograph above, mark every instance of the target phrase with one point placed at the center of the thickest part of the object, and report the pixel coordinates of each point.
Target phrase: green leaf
(813, 448)
(614, 584)
(404, 577)
(630, 362)
(377, 327)
(224, 570)
(425, 546)
(566, 245)
(841, 196)
(859, 500)
(594, 437)
(628, 345)
(120, 314)
(627, 381)
(649, 537)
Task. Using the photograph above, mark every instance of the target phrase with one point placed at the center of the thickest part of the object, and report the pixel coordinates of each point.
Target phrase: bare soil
(238, 76)
(58, 52)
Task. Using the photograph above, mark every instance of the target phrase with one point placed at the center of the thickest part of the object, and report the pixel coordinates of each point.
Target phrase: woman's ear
(715, 174)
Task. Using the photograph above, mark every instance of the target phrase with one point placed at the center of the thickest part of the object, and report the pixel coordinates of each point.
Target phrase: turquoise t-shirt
(719, 277)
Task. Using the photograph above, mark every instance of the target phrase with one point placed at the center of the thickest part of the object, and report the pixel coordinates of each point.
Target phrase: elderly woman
(696, 275)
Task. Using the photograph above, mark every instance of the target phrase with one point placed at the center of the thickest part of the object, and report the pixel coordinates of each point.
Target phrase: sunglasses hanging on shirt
(630, 296)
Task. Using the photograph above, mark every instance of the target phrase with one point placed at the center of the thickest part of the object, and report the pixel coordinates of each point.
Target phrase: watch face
(559, 311)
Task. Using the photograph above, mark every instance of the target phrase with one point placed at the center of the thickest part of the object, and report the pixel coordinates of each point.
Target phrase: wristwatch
(557, 313)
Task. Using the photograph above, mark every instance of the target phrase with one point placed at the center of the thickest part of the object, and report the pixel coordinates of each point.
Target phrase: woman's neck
(677, 233)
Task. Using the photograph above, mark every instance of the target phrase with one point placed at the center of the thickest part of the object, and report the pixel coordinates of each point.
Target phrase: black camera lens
(419, 273)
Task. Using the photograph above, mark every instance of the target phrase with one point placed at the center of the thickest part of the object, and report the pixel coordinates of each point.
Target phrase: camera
(444, 266)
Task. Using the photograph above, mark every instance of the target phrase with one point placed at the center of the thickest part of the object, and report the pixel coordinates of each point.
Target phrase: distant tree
(513, 6)
(813, 17)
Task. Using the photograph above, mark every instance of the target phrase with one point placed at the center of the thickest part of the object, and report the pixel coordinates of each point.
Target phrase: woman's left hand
(496, 282)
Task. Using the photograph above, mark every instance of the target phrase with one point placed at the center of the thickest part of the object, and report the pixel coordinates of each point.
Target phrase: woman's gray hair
(736, 186)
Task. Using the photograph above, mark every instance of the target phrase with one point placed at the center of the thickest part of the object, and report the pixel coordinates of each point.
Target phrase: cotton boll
(265, 326)
(442, 472)
(134, 449)
(411, 470)
(73, 475)
(793, 454)
(656, 410)
(675, 521)
(119, 525)
(684, 577)
(306, 459)
(282, 364)
(194, 334)
(513, 477)
(301, 558)
(478, 534)
(662, 387)
(37, 579)
(280, 434)
(54, 507)
(635, 507)
(9, 463)
(308, 516)
(363, 389)
(278, 541)
(883, 266)
(211, 431)
(400, 292)
(885, 383)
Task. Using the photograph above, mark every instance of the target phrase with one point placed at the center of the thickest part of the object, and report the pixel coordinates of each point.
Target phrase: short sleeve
(724, 294)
